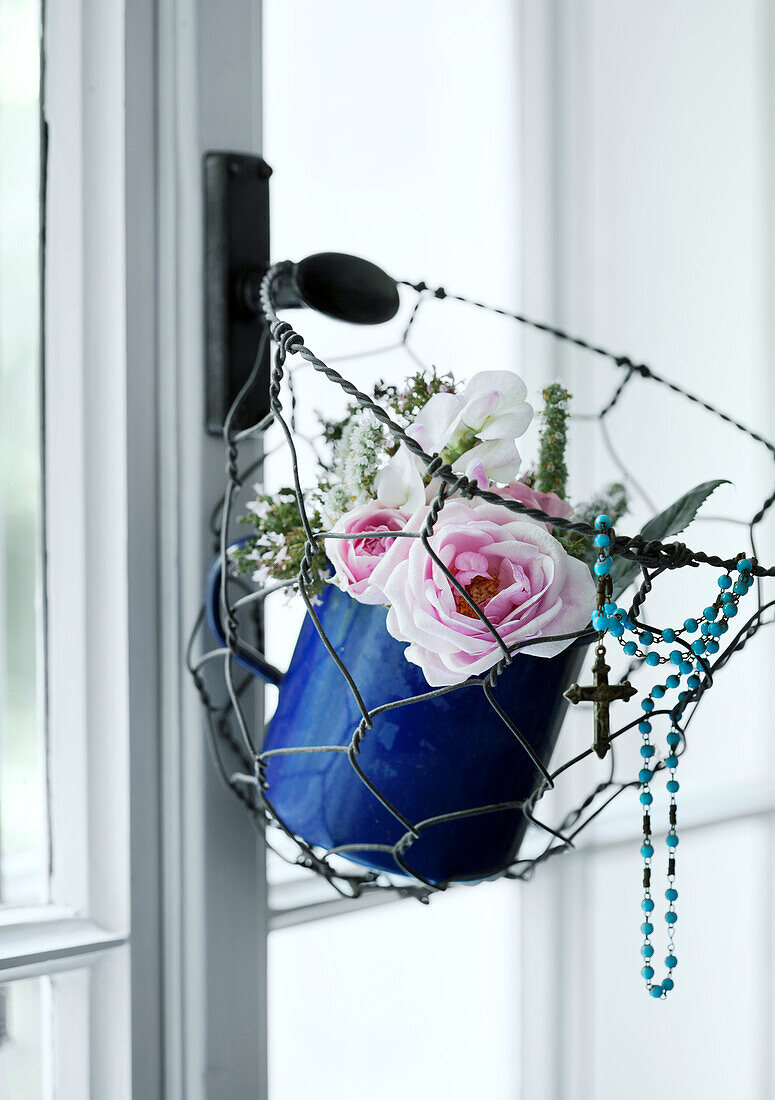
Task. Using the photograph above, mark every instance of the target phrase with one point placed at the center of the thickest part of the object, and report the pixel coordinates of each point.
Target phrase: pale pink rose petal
(354, 560)
(547, 502)
(521, 576)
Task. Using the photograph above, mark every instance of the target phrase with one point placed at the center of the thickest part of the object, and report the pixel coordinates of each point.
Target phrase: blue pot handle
(252, 662)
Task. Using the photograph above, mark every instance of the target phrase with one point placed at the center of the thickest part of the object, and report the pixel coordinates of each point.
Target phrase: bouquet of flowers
(531, 582)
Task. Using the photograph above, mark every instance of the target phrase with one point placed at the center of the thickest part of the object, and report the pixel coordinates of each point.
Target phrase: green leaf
(680, 514)
(672, 521)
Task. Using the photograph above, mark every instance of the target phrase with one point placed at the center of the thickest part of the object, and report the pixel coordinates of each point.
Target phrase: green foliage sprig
(552, 472)
(403, 403)
(277, 551)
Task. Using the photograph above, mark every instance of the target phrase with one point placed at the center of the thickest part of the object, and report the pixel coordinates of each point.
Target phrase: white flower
(476, 430)
(493, 460)
(262, 576)
(437, 421)
(358, 452)
(400, 484)
(260, 508)
(494, 405)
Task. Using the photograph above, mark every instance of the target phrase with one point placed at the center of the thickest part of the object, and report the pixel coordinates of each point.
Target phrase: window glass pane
(388, 158)
(720, 1006)
(400, 1000)
(674, 195)
(64, 1036)
(22, 785)
(22, 1044)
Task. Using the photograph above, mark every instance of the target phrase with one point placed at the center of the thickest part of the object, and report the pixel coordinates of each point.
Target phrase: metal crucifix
(601, 694)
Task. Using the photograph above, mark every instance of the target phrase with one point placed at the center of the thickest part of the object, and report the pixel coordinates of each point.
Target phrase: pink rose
(354, 559)
(516, 571)
(547, 502)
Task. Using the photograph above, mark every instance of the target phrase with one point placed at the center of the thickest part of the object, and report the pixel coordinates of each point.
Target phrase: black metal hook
(341, 286)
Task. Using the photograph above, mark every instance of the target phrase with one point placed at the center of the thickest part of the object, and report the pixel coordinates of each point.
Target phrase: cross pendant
(601, 694)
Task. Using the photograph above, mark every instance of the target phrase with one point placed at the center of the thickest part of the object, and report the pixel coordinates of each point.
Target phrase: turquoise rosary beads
(688, 659)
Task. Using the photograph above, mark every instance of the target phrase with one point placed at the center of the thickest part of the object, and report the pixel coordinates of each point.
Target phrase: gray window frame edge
(210, 941)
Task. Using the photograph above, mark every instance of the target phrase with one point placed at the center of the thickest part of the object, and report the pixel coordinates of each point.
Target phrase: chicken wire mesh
(237, 751)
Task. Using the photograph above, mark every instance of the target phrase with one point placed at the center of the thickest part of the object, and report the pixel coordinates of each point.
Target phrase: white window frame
(147, 848)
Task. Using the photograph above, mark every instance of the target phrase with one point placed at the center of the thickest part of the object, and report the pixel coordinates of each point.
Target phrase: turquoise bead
(745, 564)
(602, 567)
(610, 609)
(644, 727)
(602, 522)
(671, 841)
(740, 588)
(710, 613)
(647, 972)
(671, 917)
(658, 691)
(676, 656)
(712, 647)
(616, 630)
(652, 659)
(672, 681)
(644, 775)
(599, 622)
(685, 668)
(668, 984)
(646, 799)
(672, 784)
(671, 962)
(630, 649)
(647, 928)
(682, 695)
(647, 951)
(715, 630)
(724, 582)
(602, 540)
(671, 894)
(668, 635)
(646, 751)
(690, 625)
(671, 761)
(656, 991)
(730, 610)
(647, 905)
(723, 626)
(693, 682)
(647, 704)
(646, 637)
(705, 630)
(647, 851)
(727, 597)
(698, 647)
(673, 739)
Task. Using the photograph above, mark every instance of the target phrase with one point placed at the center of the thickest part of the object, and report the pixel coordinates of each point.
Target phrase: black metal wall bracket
(236, 201)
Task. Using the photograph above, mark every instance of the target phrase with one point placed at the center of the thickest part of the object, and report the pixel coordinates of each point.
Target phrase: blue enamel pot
(448, 754)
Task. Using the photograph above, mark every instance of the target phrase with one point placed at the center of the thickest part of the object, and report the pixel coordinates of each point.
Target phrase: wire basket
(417, 788)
